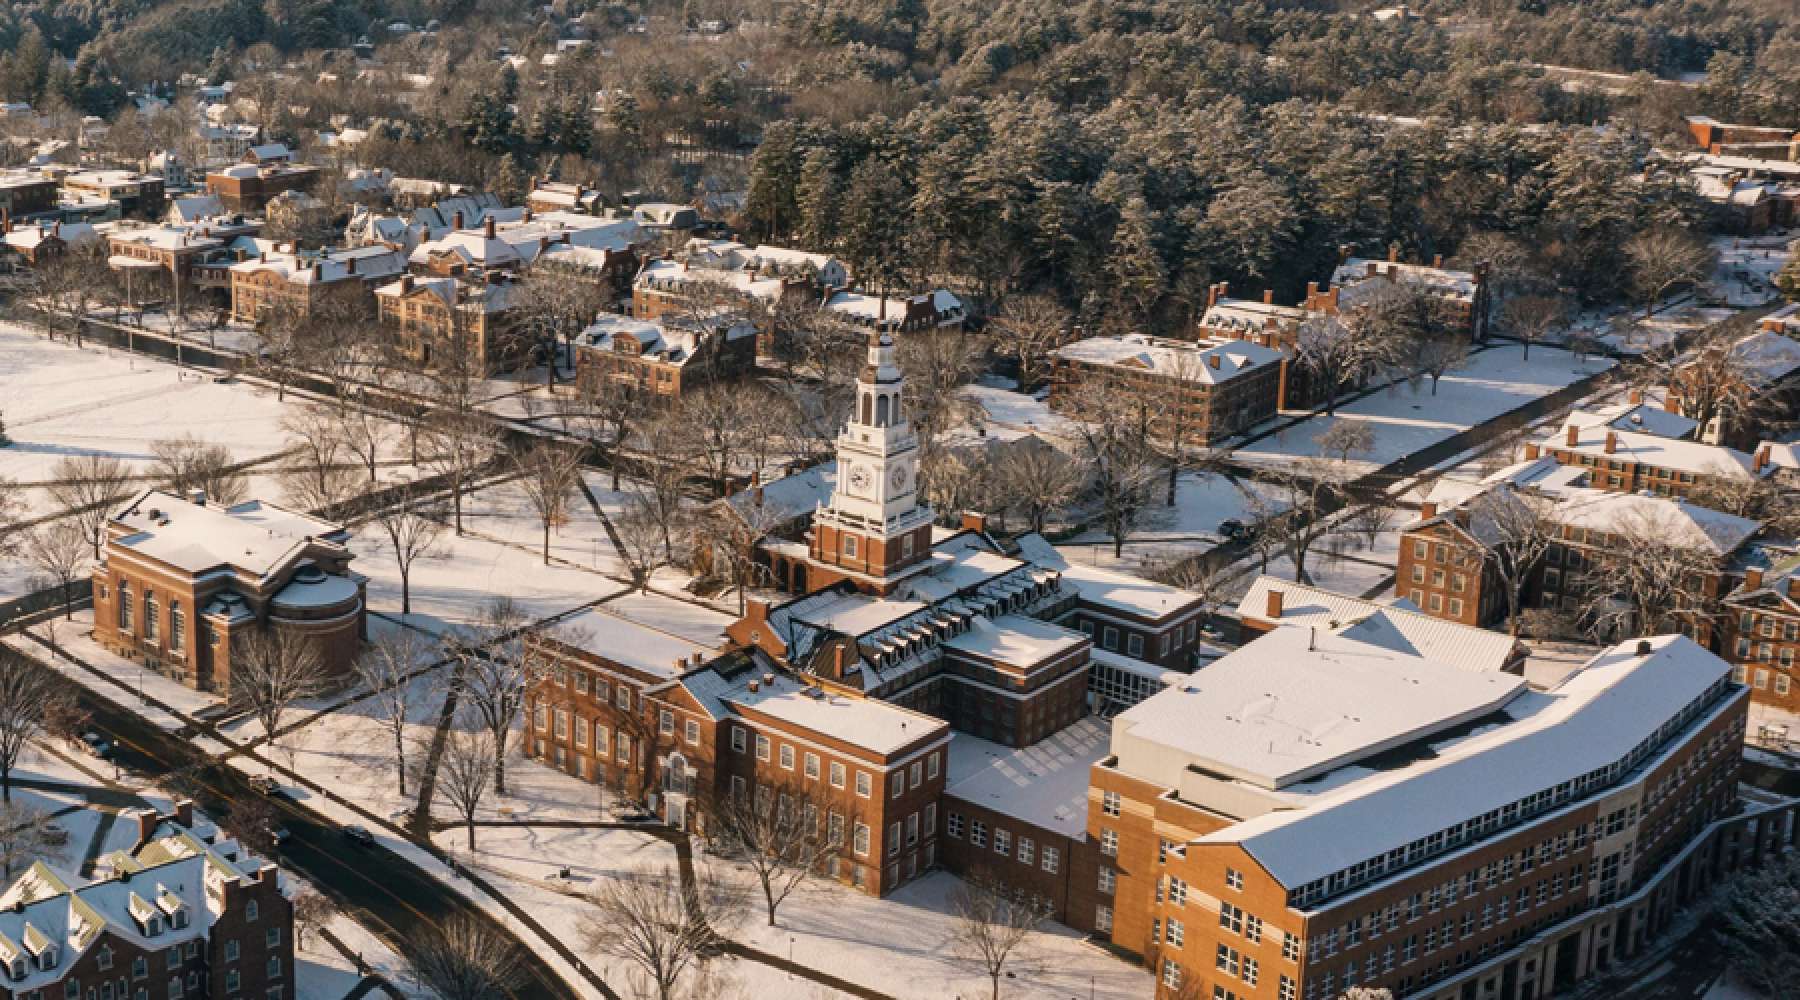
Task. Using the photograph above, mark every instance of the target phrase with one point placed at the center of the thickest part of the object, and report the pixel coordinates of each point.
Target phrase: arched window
(124, 605)
(675, 774)
(881, 411)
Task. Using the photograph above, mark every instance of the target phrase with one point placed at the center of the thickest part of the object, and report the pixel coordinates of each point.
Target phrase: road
(389, 894)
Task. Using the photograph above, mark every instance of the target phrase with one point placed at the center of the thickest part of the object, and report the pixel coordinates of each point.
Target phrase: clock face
(898, 478)
(859, 479)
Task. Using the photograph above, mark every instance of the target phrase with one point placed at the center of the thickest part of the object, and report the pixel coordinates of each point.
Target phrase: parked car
(280, 835)
(1233, 529)
(265, 784)
(358, 835)
(97, 745)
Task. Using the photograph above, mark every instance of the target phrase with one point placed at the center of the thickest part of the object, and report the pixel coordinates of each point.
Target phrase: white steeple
(878, 455)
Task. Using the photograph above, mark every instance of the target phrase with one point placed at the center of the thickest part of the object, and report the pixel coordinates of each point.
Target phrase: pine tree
(774, 173)
(622, 117)
(1135, 266)
(511, 181)
(874, 226)
(577, 127)
(1788, 279)
(218, 68)
(817, 200)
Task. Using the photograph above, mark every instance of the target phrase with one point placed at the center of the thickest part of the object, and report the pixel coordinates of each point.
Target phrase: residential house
(1635, 462)
(1210, 390)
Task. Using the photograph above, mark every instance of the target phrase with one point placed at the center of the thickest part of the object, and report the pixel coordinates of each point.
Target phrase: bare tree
(937, 364)
(660, 927)
(465, 773)
(1306, 493)
(312, 910)
(24, 835)
(641, 542)
(466, 958)
(993, 922)
(187, 463)
(1328, 351)
(67, 287)
(271, 669)
(731, 536)
(556, 306)
(549, 474)
(1664, 258)
(1038, 478)
(1517, 530)
(1344, 439)
(366, 433)
(459, 445)
(1114, 444)
(1650, 580)
(251, 820)
(1756, 927)
(1028, 328)
(29, 695)
(414, 529)
(1719, 385)
(608, 408)
(718, 431)
(60, 550)
(1531, 318)
(12, 512)
(88, 486)
(781, 834)
(665, 471)
(386, 667)
(497, 666)
(315, 475)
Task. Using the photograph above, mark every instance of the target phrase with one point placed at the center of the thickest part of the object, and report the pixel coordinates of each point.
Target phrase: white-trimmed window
(787, 756)
(762, 747)
(1003, 842)
(1103, 918)
(931, 765)
(837, 774)
(665, 722)
(864, 787)
(953, 825)
(1052, 860)
(812, 766)
(739, 739)
(692, 732)
(861, 843)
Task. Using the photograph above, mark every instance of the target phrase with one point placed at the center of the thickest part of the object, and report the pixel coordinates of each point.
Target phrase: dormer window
(47, 958)
(153, 926)
(17, 967)
(180, 919)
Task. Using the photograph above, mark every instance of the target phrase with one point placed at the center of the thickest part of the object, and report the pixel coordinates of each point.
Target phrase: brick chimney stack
(456, 221)
(1573, 436)
(487, 227)
(1532, 452)
(1268, 296)
(1612, 442)
(1761, 459)
(1437, 261)
(1274, 607)
(1793, 587)
(1753, 578)
(1394, 252)
(1213, 360)
(1636, 397)
(1427, 510)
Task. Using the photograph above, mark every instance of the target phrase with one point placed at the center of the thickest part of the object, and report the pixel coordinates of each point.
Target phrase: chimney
(1224, 289)
(1573, 435)
(1369, 268)
(1274, 608)
(318, 270)
(1312, 289)
(56, 230)
(1643, 647)
(696, 658)
(1427, 510)
(1761, 458)
(837, 662)
(1636, 397)
(184, 812)
(527, 213)
(972, 521)
(146, 820)
(1753, 578)
(1437, 261)
(1343, 253)
(197, 497)
(1672, 400)
(1532, 452)
(487, 227)
(1268, 296)
(1212, 295)
(456, 221)
(543, 243)
(350, 265)
(1612, 442)
(1212, 360)
(1394, 252)
(1793, 586)
(263, 255)
(406, 283)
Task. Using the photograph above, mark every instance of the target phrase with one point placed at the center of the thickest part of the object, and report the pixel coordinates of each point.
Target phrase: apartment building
(666, 357)
(1762, 633)
(1272, 603)
(25, 193)
(1211, 390)
(1635, 462)
(1764, 366)
(179, 579)
(434, 318)
(138, 195)
(286, 281)
(1316, 813)
(250, 186)
(184, 912)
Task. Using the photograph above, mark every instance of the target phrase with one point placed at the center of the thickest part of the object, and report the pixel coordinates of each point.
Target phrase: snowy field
(1006, 416)
(1406, 419)
(1170, 534)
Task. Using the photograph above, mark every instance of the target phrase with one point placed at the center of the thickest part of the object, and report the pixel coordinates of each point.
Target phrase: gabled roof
(1387, 625)
(1204, 362)
(255, 537)
(1661, 452)
(1639, 417)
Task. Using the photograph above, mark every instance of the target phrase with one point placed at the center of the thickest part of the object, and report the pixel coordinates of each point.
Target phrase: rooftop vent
(309, 574)
(1643, 647)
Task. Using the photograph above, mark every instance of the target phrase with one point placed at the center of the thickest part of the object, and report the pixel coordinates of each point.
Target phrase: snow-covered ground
(1170, 534)
(1747, 267)
(1003, 415)
(1405, 418)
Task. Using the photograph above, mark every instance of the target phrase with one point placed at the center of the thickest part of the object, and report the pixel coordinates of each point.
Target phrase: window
(1290, 947)
(1109, 803)
(151, 621)
(812, 766)
(177, 625)
(931, 766)
(953, 825)
(140, 967)
(623, 747)
(581, 732)
(1177, 891)
(737, 739)
(562, 723)
(861, 844)
(893, 838)
(1027, 851)
(665, 722)
(622, 697)
(1285, 991)
(787, 757)
(837, 775)
(1234, 878)
(1174, 933)
(850, 546)
(1171, 974)
(274, 967)
(1103, 919)
(232, 981)
(834, 829)
(1134, 645)
(762, 747)
(898, 786)
(863, 785)
(1109, 637)
(1230, 917)
(930, 818)
(231, 952)
(914, 774)
(1108, 881)
(1109, 842)
(977, 833)
(1003, 842)
(1052, 858)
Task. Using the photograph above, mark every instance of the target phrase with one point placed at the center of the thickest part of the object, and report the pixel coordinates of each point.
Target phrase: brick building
(180, 579)
(196, 257)
(1762, 633)
(1636, 462)
(1358, 280)
(604, 250)
(41, 242)
(1222, 387)
(250, 186)
(1765, 365)
(25, 193)
(1445, 568)
(183, 913)
(1382, 820)
(431, 316)
(139, 196)
(1271, 603)
(667, 357)
(285, 280)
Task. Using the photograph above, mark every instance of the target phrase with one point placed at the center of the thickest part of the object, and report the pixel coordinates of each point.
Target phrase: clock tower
(874, 530)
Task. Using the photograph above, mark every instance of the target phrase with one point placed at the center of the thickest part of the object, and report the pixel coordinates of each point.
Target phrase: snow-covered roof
(70, 233)
(1641, 417)
(1602, 715)
(371, 262)
(1249, 315)
(1354, 274)
(1650, 449)
(255, 537)
(1108, 588)
(1208, 362)
(1385, 624)
(1016, 640)
(793, 495)
(192, 209)
(1044, 784)
(631, 642)
(1298, 703)
(738, 685)
(664, 340)
(1766, 356)
(943, 306)
(1786, 318)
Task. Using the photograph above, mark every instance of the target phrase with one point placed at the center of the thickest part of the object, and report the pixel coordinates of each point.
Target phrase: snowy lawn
(74, 638)
(1005, 415)
(1170, 534)
(451, 585)
(503, 512)
(1405, 419)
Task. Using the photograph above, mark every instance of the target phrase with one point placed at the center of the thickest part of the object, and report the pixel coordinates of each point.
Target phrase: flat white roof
(1044, 784)
(1131, 594)
(868, 723)
(1016, 640)
(642, 646)
(1297, 703)
(1591, 720)
(1391, 626)
(253, 536)
(856, 614)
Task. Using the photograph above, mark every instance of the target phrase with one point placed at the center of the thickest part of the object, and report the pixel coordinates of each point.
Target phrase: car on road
(279, 835)
(97, 745)
(265, 784)
(1233, 529)
(359, 835)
